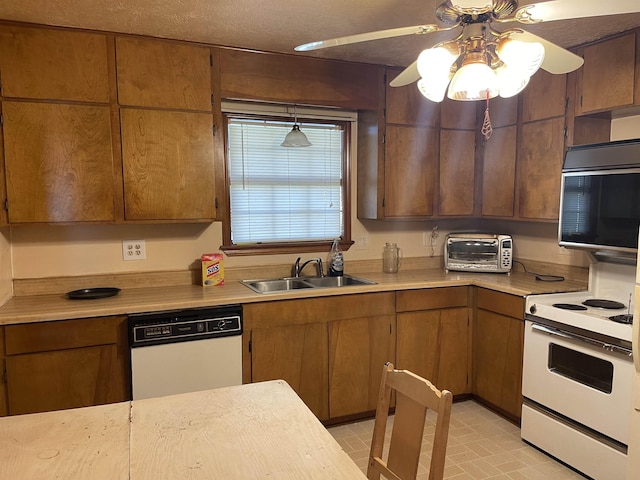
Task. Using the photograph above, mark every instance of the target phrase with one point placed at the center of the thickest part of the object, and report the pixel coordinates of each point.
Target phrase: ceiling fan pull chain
(487, 130)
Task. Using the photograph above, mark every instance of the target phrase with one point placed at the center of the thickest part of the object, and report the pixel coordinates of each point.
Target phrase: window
(286, 199)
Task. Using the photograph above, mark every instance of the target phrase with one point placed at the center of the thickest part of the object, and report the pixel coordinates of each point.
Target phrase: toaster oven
(478, 252)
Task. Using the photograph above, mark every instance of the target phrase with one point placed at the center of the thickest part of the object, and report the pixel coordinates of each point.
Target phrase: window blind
(576, 205)
(280, 194)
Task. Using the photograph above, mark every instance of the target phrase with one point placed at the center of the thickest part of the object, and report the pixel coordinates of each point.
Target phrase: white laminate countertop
(38, 308)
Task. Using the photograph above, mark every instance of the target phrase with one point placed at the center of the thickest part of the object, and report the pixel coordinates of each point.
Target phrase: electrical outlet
(362, 242)
(133, 250)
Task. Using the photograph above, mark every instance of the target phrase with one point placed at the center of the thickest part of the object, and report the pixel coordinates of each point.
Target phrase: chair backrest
(414, 396)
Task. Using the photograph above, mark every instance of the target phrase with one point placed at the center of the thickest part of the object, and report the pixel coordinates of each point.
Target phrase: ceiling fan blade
(407, 76)
(557, 60)
(365, 37)
(567, 9)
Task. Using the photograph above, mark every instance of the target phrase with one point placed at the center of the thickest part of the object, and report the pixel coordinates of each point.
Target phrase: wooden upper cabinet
(458, 115)
(298, 79)
(544, 97)
(457, 172)
(154, 73)
(503, 111)
(59, 163)
(410, 171)
(407, 106)
(498, 173)
(606, 80)
(540, 157)
(168, 165)
(52, 64)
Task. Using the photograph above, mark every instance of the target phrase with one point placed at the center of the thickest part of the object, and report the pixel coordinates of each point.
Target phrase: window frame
(272, 112)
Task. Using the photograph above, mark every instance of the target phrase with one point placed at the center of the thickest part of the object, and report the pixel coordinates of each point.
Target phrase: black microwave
(600, 197)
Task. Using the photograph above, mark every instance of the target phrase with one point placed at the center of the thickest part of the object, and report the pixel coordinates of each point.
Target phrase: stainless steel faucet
(296, 270)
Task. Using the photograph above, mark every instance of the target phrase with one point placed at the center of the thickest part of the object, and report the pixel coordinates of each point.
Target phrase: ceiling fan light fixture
(475, 80)
(525, 57)
(434, 88)
(436, 61)
(510, 82)
(295, 138)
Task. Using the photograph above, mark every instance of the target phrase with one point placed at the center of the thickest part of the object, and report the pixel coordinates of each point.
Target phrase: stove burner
(625, 318)
(608, 304)
(569, 306)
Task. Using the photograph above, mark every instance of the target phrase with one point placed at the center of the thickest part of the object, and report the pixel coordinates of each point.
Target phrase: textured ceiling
(279, 25)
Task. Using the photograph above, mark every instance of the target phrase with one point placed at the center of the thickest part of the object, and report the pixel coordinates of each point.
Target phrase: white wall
(52, 251)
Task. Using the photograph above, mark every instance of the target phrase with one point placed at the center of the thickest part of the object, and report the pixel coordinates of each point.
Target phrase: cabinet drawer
(312, 310)
(431, 298)
(503, 303)
(45, 336)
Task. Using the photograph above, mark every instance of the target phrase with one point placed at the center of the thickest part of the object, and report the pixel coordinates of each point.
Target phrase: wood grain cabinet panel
(3, 379)
(168, 165)
(433, 336)
(434, 344)
(498, 348)
(499, 173)
(298, 355)
(153, 73)
(59, 162)
(457, 172)
(53, 64)
(67, 364)
(540, 157)
(410, 172)
(407, 106)
(358, 348)
(606, 80)
(544, 97)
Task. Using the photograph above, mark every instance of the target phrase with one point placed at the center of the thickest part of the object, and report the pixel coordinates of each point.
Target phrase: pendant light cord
(487, 129)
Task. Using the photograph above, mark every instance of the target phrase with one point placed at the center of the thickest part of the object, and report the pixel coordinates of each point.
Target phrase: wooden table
(260, 430)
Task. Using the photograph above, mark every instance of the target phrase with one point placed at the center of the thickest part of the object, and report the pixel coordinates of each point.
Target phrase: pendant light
(295, 138)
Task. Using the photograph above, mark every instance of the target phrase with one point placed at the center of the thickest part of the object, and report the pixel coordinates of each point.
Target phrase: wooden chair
(414, 395)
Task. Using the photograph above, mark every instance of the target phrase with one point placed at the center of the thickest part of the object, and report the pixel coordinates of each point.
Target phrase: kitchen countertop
(37, 308)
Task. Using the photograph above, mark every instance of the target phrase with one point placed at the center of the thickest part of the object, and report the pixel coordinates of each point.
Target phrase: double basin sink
(287, 284)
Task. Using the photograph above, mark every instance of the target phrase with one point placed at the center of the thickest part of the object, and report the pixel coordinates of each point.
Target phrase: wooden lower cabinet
(3, 378)
(433, 336)
(329, 349)
(498, 347)
(67, 364)
(358, 348)
(298, 355)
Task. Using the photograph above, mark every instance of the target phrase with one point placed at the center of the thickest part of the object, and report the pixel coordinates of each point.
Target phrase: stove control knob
(532, 309)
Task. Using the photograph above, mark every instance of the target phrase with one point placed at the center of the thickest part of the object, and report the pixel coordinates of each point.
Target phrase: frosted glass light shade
(510, 81)
(525, 57)
(295, 138)
(434, 66)
(473, 81)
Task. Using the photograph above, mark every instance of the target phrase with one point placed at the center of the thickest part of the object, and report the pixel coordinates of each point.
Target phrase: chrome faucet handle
(320, 270)
(295, 269)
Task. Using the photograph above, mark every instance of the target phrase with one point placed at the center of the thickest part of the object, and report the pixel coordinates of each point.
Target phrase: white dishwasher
(183, 351)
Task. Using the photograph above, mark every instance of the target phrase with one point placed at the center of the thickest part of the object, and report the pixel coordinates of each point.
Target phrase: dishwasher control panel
(184, 325)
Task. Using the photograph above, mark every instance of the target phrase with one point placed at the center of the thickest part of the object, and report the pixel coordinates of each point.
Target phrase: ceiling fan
(483, 60)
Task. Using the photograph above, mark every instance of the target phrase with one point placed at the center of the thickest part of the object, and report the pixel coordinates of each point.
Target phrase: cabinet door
(544, 97)
(435, 345)
(457, 172)
(497, 362)
(56, 380)
(358, 348)
(540, 159)
(153, 73)
(3, 379)
(499, 173)
(410, 171)
(298, 355)
(53, 64)
(606, 79)
(407, 106)
(168, 165)
(59, 163)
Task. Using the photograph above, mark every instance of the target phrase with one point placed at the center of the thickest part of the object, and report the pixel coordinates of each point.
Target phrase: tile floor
(482, 445)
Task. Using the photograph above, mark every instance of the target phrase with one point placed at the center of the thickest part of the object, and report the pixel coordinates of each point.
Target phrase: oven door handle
(573, 336)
